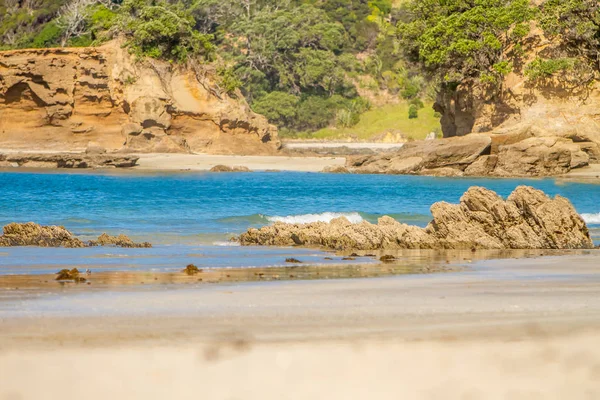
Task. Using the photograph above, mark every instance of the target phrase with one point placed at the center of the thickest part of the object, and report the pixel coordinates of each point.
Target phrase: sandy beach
(204, 162)
(510, 328)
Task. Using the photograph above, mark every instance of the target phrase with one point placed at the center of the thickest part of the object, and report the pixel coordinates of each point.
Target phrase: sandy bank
(518, 329)
(204, 162)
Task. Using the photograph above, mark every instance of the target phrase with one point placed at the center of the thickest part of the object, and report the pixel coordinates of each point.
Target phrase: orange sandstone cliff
(64, 99)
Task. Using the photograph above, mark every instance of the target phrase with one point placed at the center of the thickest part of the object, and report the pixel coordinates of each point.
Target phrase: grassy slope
(389, 118)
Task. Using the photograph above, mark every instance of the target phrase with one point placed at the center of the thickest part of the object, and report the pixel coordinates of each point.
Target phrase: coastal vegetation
(317, 68)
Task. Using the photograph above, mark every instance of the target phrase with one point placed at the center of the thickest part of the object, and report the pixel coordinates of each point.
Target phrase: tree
(456, 40)
(158, 29)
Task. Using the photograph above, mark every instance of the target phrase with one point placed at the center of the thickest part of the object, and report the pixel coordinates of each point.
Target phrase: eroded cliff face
(557, 107)
(63, 99)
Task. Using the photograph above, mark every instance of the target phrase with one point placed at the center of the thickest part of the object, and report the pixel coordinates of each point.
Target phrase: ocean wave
(226, 244)
(353, 217)
(591, 218)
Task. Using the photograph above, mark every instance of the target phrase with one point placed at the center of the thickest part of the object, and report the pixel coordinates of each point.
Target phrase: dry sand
(503, 329)
(204, 162)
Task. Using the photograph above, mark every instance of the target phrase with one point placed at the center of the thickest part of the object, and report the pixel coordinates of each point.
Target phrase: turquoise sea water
(190, 216)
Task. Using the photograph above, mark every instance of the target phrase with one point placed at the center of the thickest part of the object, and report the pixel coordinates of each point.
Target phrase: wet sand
(518, 329)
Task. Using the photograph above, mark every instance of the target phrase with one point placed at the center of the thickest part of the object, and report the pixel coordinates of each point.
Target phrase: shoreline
(181, 162)
(414, 336)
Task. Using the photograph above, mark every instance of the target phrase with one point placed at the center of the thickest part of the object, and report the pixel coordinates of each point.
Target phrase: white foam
(353, 217)
(591, 218)
(226, 244)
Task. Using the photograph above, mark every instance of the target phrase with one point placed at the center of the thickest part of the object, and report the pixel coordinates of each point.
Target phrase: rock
(506, 154)
(225, 168)
(539, 156)
(31, 234)
(483, 166)
(191, 269)
(293, 261)
(61, 99)
(71, 160)
(335, 169)
(94, 148)
(528, 219)
(445, 172)
(70, 275)
(131, 129)
(457, 153)
(119, 241)
(149, 112)
(387, 258)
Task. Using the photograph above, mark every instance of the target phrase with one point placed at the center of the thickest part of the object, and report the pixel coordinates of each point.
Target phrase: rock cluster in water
(528, 219)
(32, 234)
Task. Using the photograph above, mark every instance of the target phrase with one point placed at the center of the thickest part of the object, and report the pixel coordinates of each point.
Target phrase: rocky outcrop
(118, 241)
(62, 99)
(528, 219)
(32, 234)
(68, 160)
(517, 154)
(226, 168)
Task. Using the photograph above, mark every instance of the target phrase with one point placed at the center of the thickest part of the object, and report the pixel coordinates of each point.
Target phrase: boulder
(457, 153)
(528, 219)
(335, 169)
(31, 234)
(540, 156)
(225, 168)
(118, 241)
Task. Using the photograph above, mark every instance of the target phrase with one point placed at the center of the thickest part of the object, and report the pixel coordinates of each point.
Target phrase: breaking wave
(591, 218)
(353, 217)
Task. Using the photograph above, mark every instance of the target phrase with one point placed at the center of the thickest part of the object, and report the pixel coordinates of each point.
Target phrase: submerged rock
(528, 219)
(32, 234)
(119, 241)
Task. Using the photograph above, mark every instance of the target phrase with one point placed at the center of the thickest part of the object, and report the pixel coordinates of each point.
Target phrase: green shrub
(279, 107)
(158, 29)
(413, 112)
(418, 103)
(544, 68)
(49, 36)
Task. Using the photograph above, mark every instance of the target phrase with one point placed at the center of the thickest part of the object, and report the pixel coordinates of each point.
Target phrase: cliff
(566, 105)
(63, 99)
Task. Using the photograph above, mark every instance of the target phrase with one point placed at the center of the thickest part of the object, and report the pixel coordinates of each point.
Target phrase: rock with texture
(528, 219)
(62, 99)
(518, 154)
(118, 241)
(414, 157)
(225, 168)
(32, 234)
(95, 158)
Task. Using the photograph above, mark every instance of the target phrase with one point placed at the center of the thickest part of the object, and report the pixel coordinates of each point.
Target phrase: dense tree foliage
(299, 62)
(302, 63)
